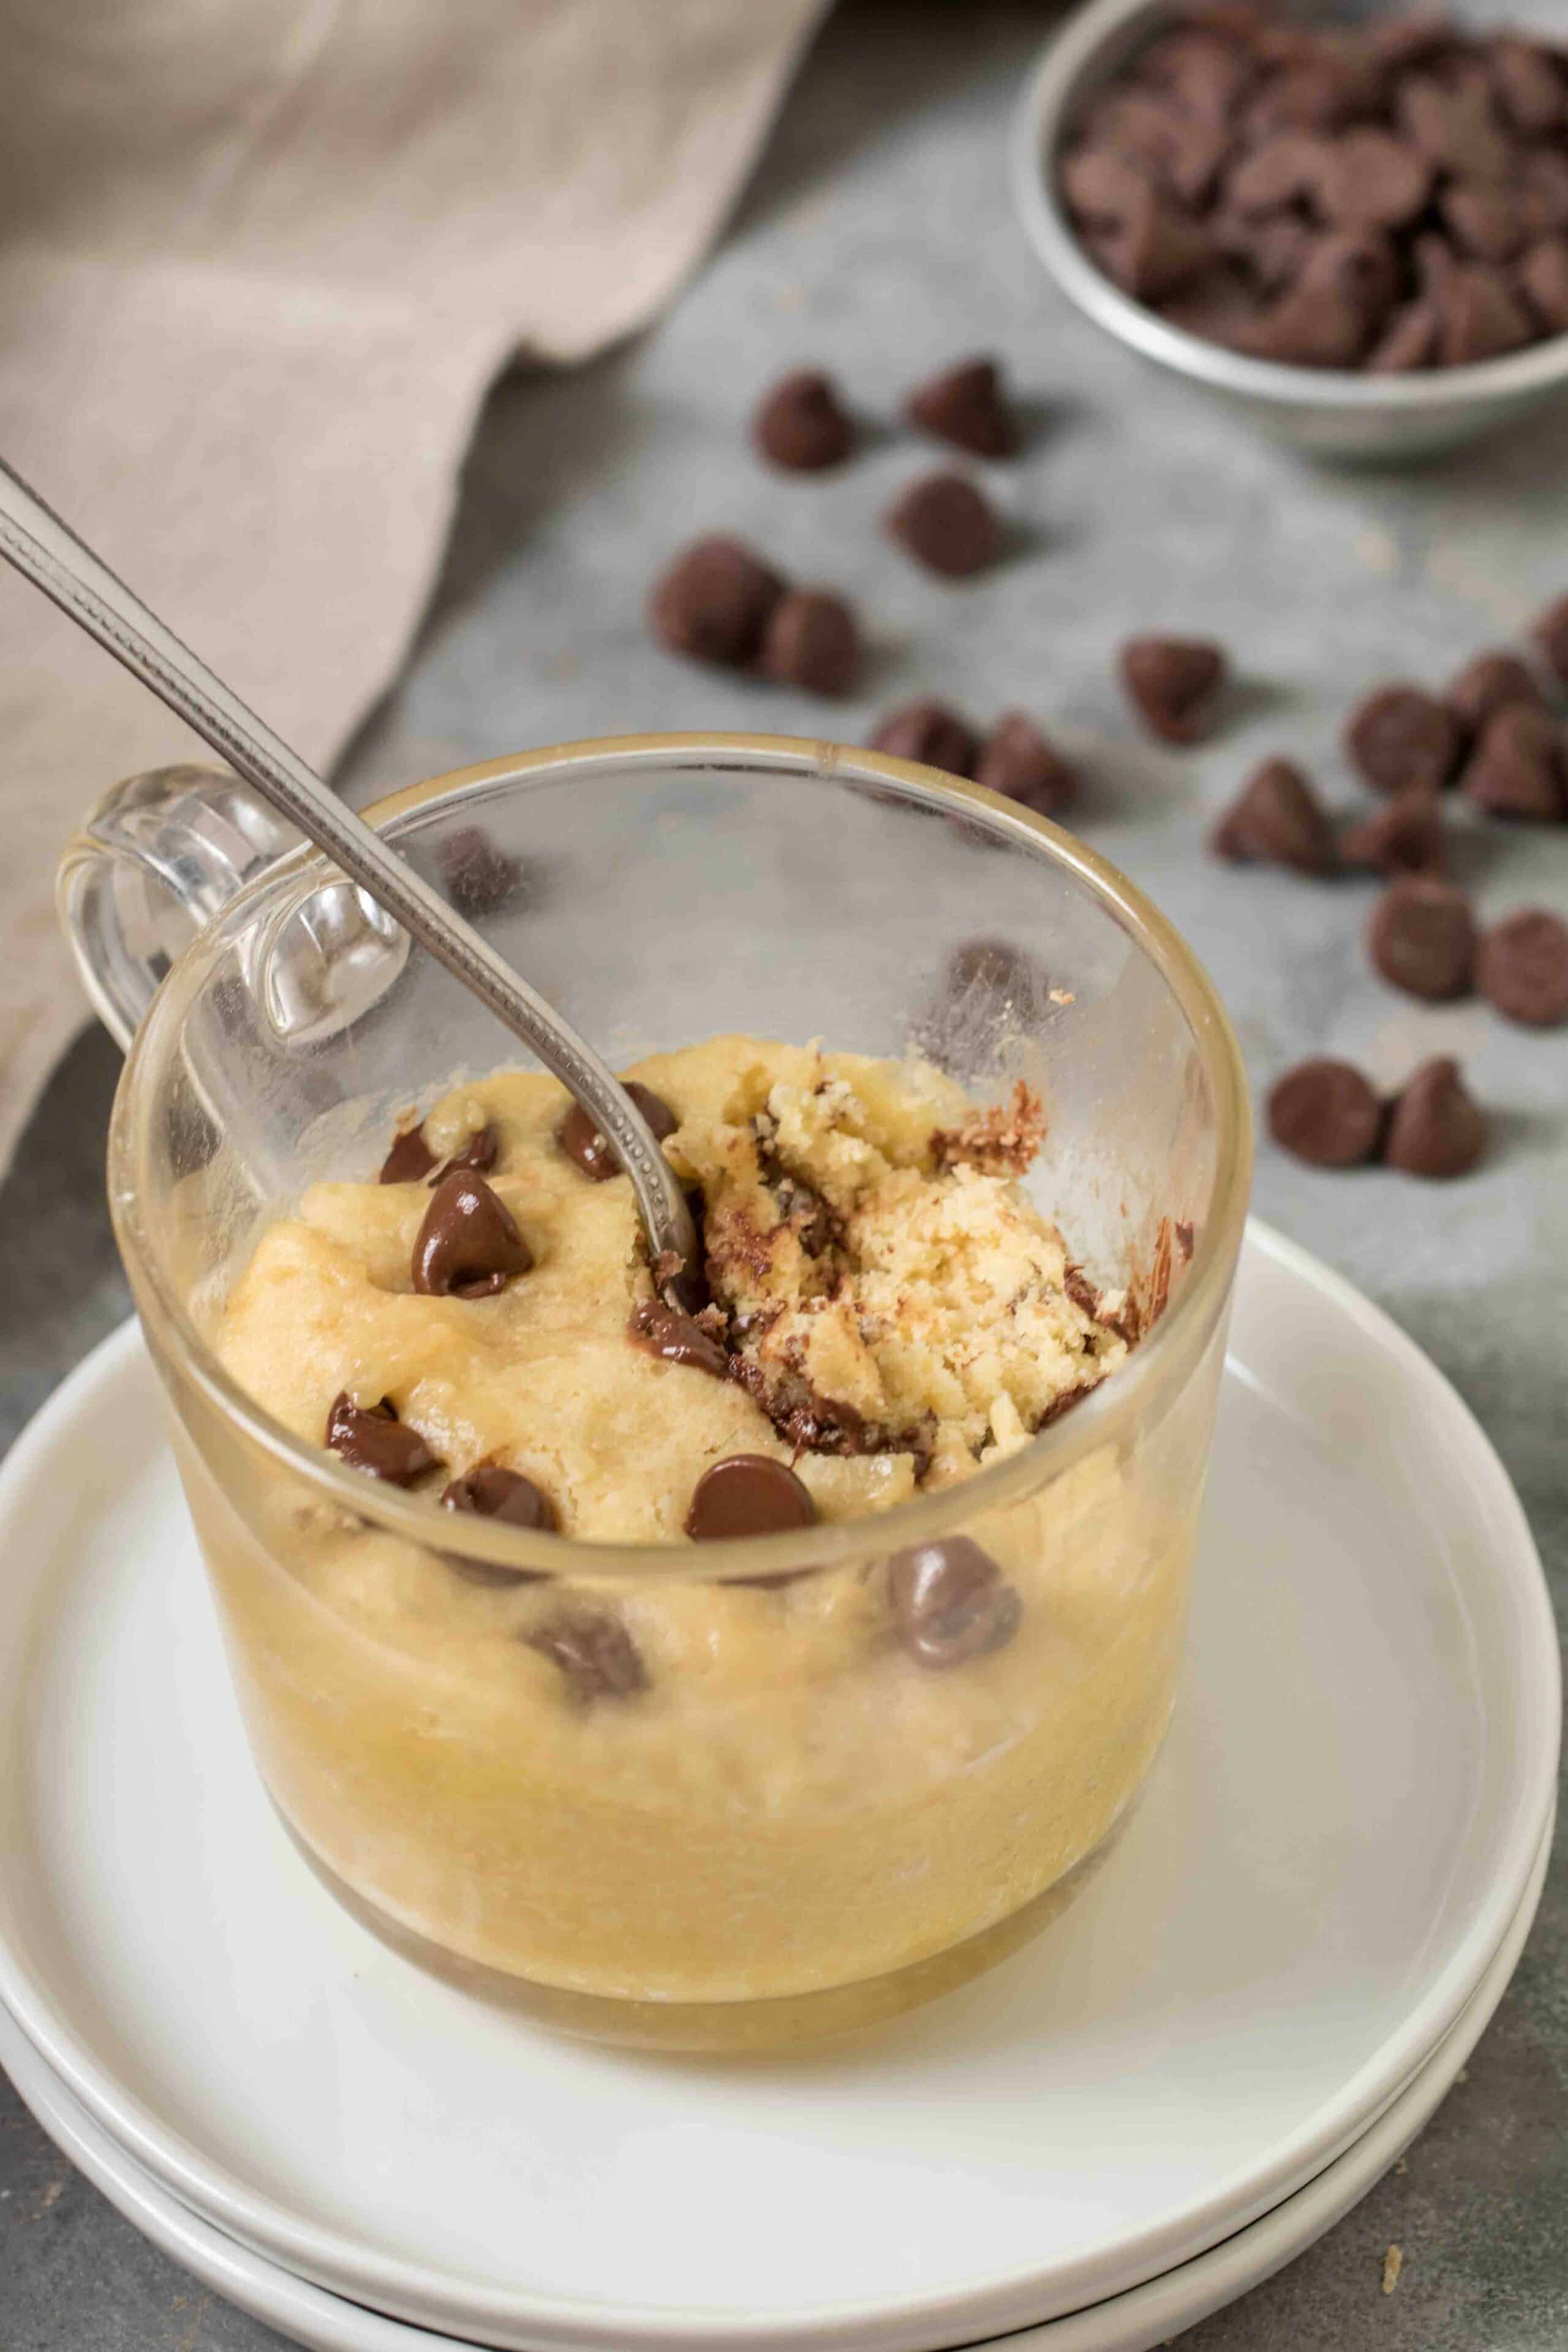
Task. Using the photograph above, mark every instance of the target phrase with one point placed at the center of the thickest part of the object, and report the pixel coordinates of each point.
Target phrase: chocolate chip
(1542, 279)
(480, 1152)
(1400, 736)
(1273, 252)
(748, 1495)
(1455, 124)
(677, 1339)
(1480, 318)
(1421, 938)
(1325, 1112)
(1154, 249)
(478, 874)
(714, 602)
(1409, 340)
(802, 424)
(1278, 820)
(584, 1145)
(1019, 761)
(1487, 685)
(1278, 171)
(930, 732)
(1101, 185)
(410, 1160)
(1434, 1128)
(1518, 768)
(1543, 190)
(1174, 684)
(946, 524)
(1405, 835)
(965, 405)
(1370, 179)
(468, 1245)
(1487, 221)
(1521, 967)
(1309, 326)
(1551, 633)
(595, 1652)
(370, 1438)
(812, 640)
(951, 1602)
(494, 1492)
(1528, 85)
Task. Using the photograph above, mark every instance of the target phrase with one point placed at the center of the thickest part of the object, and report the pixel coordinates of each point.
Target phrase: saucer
(1337, 1836)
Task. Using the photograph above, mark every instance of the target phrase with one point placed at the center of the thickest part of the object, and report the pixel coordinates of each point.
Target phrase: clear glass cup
(812, 1830)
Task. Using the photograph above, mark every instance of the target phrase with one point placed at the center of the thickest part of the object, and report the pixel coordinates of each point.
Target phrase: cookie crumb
(1393, 2263)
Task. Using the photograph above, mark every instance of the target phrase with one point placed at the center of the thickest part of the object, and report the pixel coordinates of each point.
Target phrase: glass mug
(808, 1828)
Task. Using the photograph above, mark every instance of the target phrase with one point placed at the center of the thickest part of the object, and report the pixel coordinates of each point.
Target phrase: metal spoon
(48, 551)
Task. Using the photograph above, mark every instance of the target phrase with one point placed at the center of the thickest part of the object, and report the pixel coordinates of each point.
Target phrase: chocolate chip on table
(748, 1495)
(1278, 820)
(410, 1160)
(1487, 685)
(1434, 1128)
(930, 732)
(677, 1339)
(1550, 632)
(714, 602)
(965, 405)
(1518, 768)
(1399, 737)
(1422, 938)
(1405, 835)
(802, 424)
(1019, 761)
(584, 1145)
(1174, 684)
(812, 640)
(951, 1602)
(478, 874)
(595, 1652)
(1521, 967)
(370, 1437)
(493, 1492)
(468, 1245)
(945, 523)
(1325, 1112)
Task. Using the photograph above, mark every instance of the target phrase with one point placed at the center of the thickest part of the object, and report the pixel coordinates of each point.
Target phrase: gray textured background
(877, 239)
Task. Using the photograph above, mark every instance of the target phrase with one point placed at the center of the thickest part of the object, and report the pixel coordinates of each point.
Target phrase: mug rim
(1193, 1306)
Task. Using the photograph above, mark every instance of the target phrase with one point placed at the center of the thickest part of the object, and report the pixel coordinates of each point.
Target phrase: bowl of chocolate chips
(1351, 231)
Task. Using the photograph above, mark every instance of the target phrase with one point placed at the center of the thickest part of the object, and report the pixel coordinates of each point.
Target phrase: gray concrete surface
(876, 238)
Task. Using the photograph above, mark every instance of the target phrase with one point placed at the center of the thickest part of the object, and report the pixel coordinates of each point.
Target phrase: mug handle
(158, 857)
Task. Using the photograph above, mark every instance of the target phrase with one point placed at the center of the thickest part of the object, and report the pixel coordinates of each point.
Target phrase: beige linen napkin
(258, 261)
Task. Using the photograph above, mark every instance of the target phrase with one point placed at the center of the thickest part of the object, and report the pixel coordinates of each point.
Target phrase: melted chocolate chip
(1521, 967)
(479, 1153)
(1421, 938)
(1172, 683)
(468, 1245)
(1278, 820)
(964, 405)
(584, 1145)
(1434, 1128)
(748, 1495)
(370, 1438)
(802, 424)
(945, 523)
(677, 1339)
(1325, 1112)
(410, 1160)
(951, 1602)
(595, 1652)
(493, 1492)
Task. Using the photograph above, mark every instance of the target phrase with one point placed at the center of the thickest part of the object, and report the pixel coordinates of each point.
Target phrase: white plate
(1340, 1830)
(1144, 2317)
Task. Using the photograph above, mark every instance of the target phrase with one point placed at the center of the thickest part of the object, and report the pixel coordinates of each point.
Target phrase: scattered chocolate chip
(370, 1437)
(677, 1339)
(802, 424)
(410, 1160)
(1019, 761)
(1422, 939)
(478, 874)
(1325, 1112)
(946, 524)
(595, 1652)
(1487, 685)
(1521, 967)
(1405, 835)
(812, 640)
(1434, 1128)
(1543, 280)
(965, 405)
(748, 1495)
(714, 602)
(584, 1145)
(930, 732)
(480, 1152)
(951, 1602)
(1551, 633)
(468, 1245)
(494, 1492)
(1518, 767)
(1400, 738)
(1278, 820)
(1174, 684)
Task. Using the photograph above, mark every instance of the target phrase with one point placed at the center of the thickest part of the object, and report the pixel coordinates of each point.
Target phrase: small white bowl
(1329, 412)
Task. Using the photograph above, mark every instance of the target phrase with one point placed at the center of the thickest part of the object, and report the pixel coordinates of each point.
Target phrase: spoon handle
(34, 539)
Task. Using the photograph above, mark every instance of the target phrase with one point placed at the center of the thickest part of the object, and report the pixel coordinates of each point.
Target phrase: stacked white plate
(1254, 2006)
